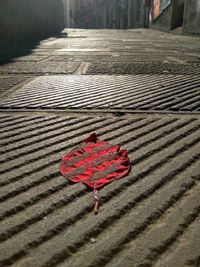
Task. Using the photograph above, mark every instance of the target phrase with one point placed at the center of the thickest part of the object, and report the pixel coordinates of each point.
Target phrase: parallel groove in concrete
(20, 124)
(8, 120)
(38, 139)
(104, 89)
(41, 212)
(74, 133)
(32, 138)
(143, 133)
(56, 147)
(16, 135)
(7, 82)
(141, 92)
(117, 244)
(59, 136)
(186, 253)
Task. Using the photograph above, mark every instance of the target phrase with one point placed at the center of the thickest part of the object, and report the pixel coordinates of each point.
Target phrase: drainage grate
(45, 222)
(139, 92)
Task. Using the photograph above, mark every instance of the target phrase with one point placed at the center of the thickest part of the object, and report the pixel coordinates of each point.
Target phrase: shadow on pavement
(12, 50)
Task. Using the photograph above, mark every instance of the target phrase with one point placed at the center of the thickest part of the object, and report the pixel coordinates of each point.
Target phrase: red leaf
(95, 163)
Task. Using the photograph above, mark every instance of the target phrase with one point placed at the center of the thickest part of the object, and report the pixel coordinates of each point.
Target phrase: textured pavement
(147, 92)
(137, 88)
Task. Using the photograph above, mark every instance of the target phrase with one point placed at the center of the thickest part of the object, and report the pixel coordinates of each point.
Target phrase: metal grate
(44, 221)
(139, 92)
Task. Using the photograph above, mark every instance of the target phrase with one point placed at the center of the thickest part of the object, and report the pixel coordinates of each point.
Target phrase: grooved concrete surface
(147, 100)
(141, 92)
(38, 67)
(7, 82)
(45, 221)
(144, 68)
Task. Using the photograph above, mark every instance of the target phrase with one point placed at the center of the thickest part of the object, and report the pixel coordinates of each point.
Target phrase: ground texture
(137, 88)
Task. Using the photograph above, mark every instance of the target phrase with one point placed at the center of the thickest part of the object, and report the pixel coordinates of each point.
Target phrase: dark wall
(192, 17)
(163, 21)
(30, 19)
(180, 13)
